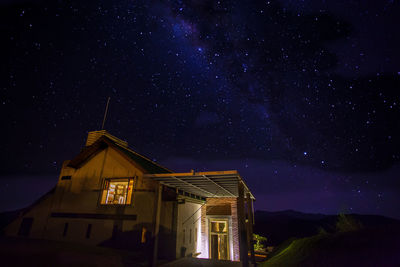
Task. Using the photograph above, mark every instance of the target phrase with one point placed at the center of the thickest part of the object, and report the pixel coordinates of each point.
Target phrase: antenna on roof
(105, 114)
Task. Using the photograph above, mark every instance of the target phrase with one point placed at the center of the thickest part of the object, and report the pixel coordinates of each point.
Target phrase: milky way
(300, 96)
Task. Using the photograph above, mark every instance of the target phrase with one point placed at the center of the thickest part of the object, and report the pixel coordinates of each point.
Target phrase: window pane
(65, 229)
(88, 230)
(117, 192)
(218, 227)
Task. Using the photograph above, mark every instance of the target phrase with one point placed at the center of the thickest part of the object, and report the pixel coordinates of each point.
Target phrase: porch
(226, 222)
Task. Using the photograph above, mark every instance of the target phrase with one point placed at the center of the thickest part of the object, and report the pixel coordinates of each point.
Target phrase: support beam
(250, 224)
(220, 187)
(189, 184)
(242, 227)
(157, 225)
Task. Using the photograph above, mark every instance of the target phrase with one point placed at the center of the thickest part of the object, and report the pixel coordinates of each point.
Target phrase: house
(110, 195)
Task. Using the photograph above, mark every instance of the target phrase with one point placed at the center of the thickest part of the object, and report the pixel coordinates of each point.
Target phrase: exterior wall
(167, 231)
(188, 222)
(81, 194)
(39, 214)
(233, 227)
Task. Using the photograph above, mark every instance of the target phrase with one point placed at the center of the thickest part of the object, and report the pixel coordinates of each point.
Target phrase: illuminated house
(111, 195)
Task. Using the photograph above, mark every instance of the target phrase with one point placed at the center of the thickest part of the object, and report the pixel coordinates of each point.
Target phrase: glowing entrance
(219, 242)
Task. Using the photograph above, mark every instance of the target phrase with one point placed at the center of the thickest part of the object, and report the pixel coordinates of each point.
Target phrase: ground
(43, 253)
(31, 252)
(194, 262)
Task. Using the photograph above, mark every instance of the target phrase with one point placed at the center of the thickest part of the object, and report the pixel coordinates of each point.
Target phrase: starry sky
(300, 96)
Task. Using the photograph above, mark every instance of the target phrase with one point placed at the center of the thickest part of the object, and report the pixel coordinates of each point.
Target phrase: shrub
(259, 243)
(322, 231)
(347, 223)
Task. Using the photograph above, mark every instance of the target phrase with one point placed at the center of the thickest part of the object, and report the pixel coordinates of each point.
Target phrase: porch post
(157, 225)
(242, 227)
(250, 224)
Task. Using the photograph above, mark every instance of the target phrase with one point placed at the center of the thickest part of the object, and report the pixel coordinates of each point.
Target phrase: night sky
(301, 97)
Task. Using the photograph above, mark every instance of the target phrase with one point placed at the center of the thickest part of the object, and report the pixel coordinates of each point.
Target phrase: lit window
(117, 192)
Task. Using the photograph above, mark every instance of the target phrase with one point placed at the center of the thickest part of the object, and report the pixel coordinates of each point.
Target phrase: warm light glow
(258, 255)
(117, 192)
(143, 239)
(199, 246)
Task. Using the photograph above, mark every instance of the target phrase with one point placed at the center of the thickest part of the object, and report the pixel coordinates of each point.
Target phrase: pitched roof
(147, 165)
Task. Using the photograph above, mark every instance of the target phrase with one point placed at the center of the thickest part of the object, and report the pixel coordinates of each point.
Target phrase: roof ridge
(145, 163)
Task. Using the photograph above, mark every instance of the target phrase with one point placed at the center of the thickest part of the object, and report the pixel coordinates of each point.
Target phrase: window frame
(226, 219)
(106, 186)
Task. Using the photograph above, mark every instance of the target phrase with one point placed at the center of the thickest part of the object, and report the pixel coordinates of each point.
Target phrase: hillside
(366, 247)
(283, 225)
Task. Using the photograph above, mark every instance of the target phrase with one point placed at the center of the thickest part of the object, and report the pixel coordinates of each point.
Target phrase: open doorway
(219, 239)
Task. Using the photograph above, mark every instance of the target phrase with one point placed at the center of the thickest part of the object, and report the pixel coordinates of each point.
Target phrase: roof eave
(176, 178)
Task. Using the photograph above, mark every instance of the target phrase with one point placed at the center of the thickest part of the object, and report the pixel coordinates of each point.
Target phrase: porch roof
(205, 184)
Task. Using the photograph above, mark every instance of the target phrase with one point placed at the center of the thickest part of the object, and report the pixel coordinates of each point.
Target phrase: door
(219, 243)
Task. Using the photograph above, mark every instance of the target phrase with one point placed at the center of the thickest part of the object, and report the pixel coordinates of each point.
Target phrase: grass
(295, 252)
(363, 247)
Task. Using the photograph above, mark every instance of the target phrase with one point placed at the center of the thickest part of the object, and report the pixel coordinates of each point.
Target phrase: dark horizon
(43, 184)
